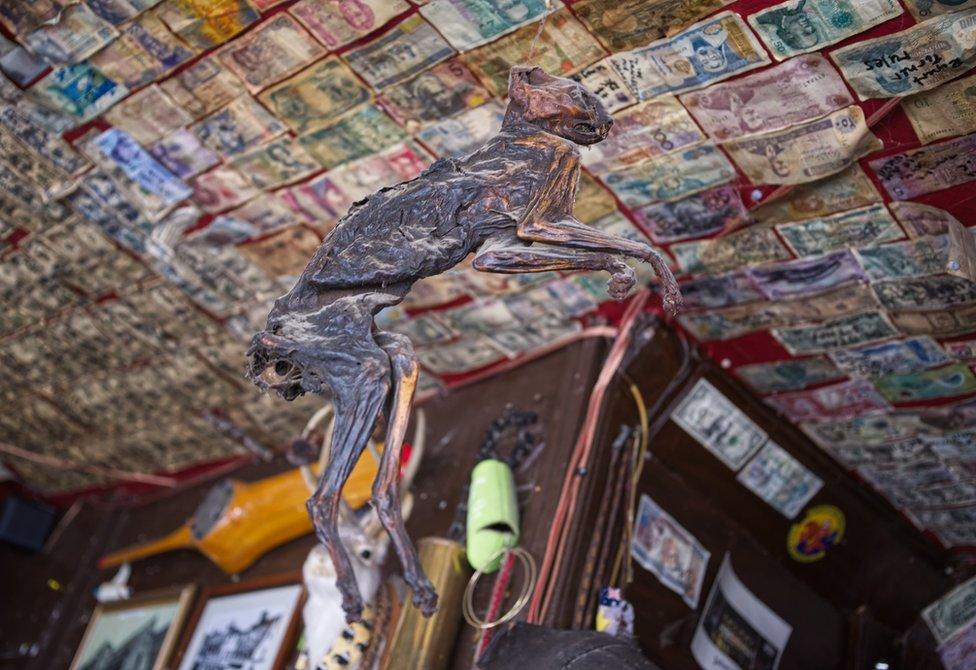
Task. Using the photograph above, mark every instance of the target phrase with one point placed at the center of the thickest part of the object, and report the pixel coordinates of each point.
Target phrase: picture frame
(251, 623)
(143, 631)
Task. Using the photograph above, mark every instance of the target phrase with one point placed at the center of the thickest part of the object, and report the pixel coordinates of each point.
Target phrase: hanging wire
(538, 33)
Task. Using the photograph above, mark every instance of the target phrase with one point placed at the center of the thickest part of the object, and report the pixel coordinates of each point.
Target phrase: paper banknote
(20, 190)
(718, 425)
(444, 90)
(51, 182)
(274, 50)
(897, 450)
(939, 323)
(806, 276)
(707, 52)
(101, 201)
(203, 87)
(465, 355)
(359, 178)
(945, 382)
(756, 244)
(959, 445)
(780, 480)
(119, 11)
(711, 291)
(950, 525)
(238, 127)
(889, 358)
(48, 144)
(626, 24)
(182, 153)
(913, 60)
(957, 652)
(425, 329)
(229, 228)
(962, 350)
(857, 228)
(22, 16)
(465, 132)
(144, 52)
(861, 431)
(518, 339)
(480, 316)
(18, 65)
(80, 90)
(932, 168)
(962, 251)
(603, 80)
(920, 220)
(945, 111)
(650, 129)
(663, 547)
(936, 292)
(283, 254)
(619, 225)
(77, 34)
(799, 26)
(365, 132)
(220, 189)
(279, 162)
(695, 216)
(806, 152)
(846, 190)
(563, 48)
(470, 23)
(140, 166)
(148, 115)
(837, 401)
(788, 375)
(923, 9)
(955, 494)
(915, 258)
(316, 96)
(336, 23)
(793, 92)
(408, 49)
(848, 331)
(593, 200)
(729, 322)
(207, 23)
(49, 118)
(893, 480)
(264, 214)
(319, 202)
(671, 177)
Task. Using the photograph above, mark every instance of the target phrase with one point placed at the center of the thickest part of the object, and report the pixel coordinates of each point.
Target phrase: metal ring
(467, 604)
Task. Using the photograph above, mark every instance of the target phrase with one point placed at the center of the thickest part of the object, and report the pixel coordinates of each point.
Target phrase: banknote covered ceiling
(168, 167)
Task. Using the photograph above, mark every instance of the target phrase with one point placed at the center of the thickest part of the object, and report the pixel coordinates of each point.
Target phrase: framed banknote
(718, 425)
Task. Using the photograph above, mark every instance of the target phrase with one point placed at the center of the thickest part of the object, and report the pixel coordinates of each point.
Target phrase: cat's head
(556, 105)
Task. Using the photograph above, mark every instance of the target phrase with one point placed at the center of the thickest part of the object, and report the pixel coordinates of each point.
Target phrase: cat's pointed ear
(519, 82)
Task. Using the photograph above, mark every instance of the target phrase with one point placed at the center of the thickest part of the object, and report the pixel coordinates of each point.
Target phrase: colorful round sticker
(821, 528)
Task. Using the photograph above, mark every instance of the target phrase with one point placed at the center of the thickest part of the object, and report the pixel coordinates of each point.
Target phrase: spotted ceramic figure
(510, 203)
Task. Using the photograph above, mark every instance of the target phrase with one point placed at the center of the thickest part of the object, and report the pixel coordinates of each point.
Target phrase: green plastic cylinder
(493, 518)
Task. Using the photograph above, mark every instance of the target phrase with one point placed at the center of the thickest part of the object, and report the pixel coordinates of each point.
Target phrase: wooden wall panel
(853, 602)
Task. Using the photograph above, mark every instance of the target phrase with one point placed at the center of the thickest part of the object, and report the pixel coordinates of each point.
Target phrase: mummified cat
(510, 203)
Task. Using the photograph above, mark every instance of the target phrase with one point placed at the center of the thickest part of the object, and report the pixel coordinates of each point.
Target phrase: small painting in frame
(250, 624)
(138, 634)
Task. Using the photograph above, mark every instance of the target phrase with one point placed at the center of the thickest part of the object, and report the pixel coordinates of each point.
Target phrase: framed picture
(138, 634)
(249, 625)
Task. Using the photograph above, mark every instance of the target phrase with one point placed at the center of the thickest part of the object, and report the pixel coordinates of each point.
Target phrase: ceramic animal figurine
(322, 615)
(510, 203)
